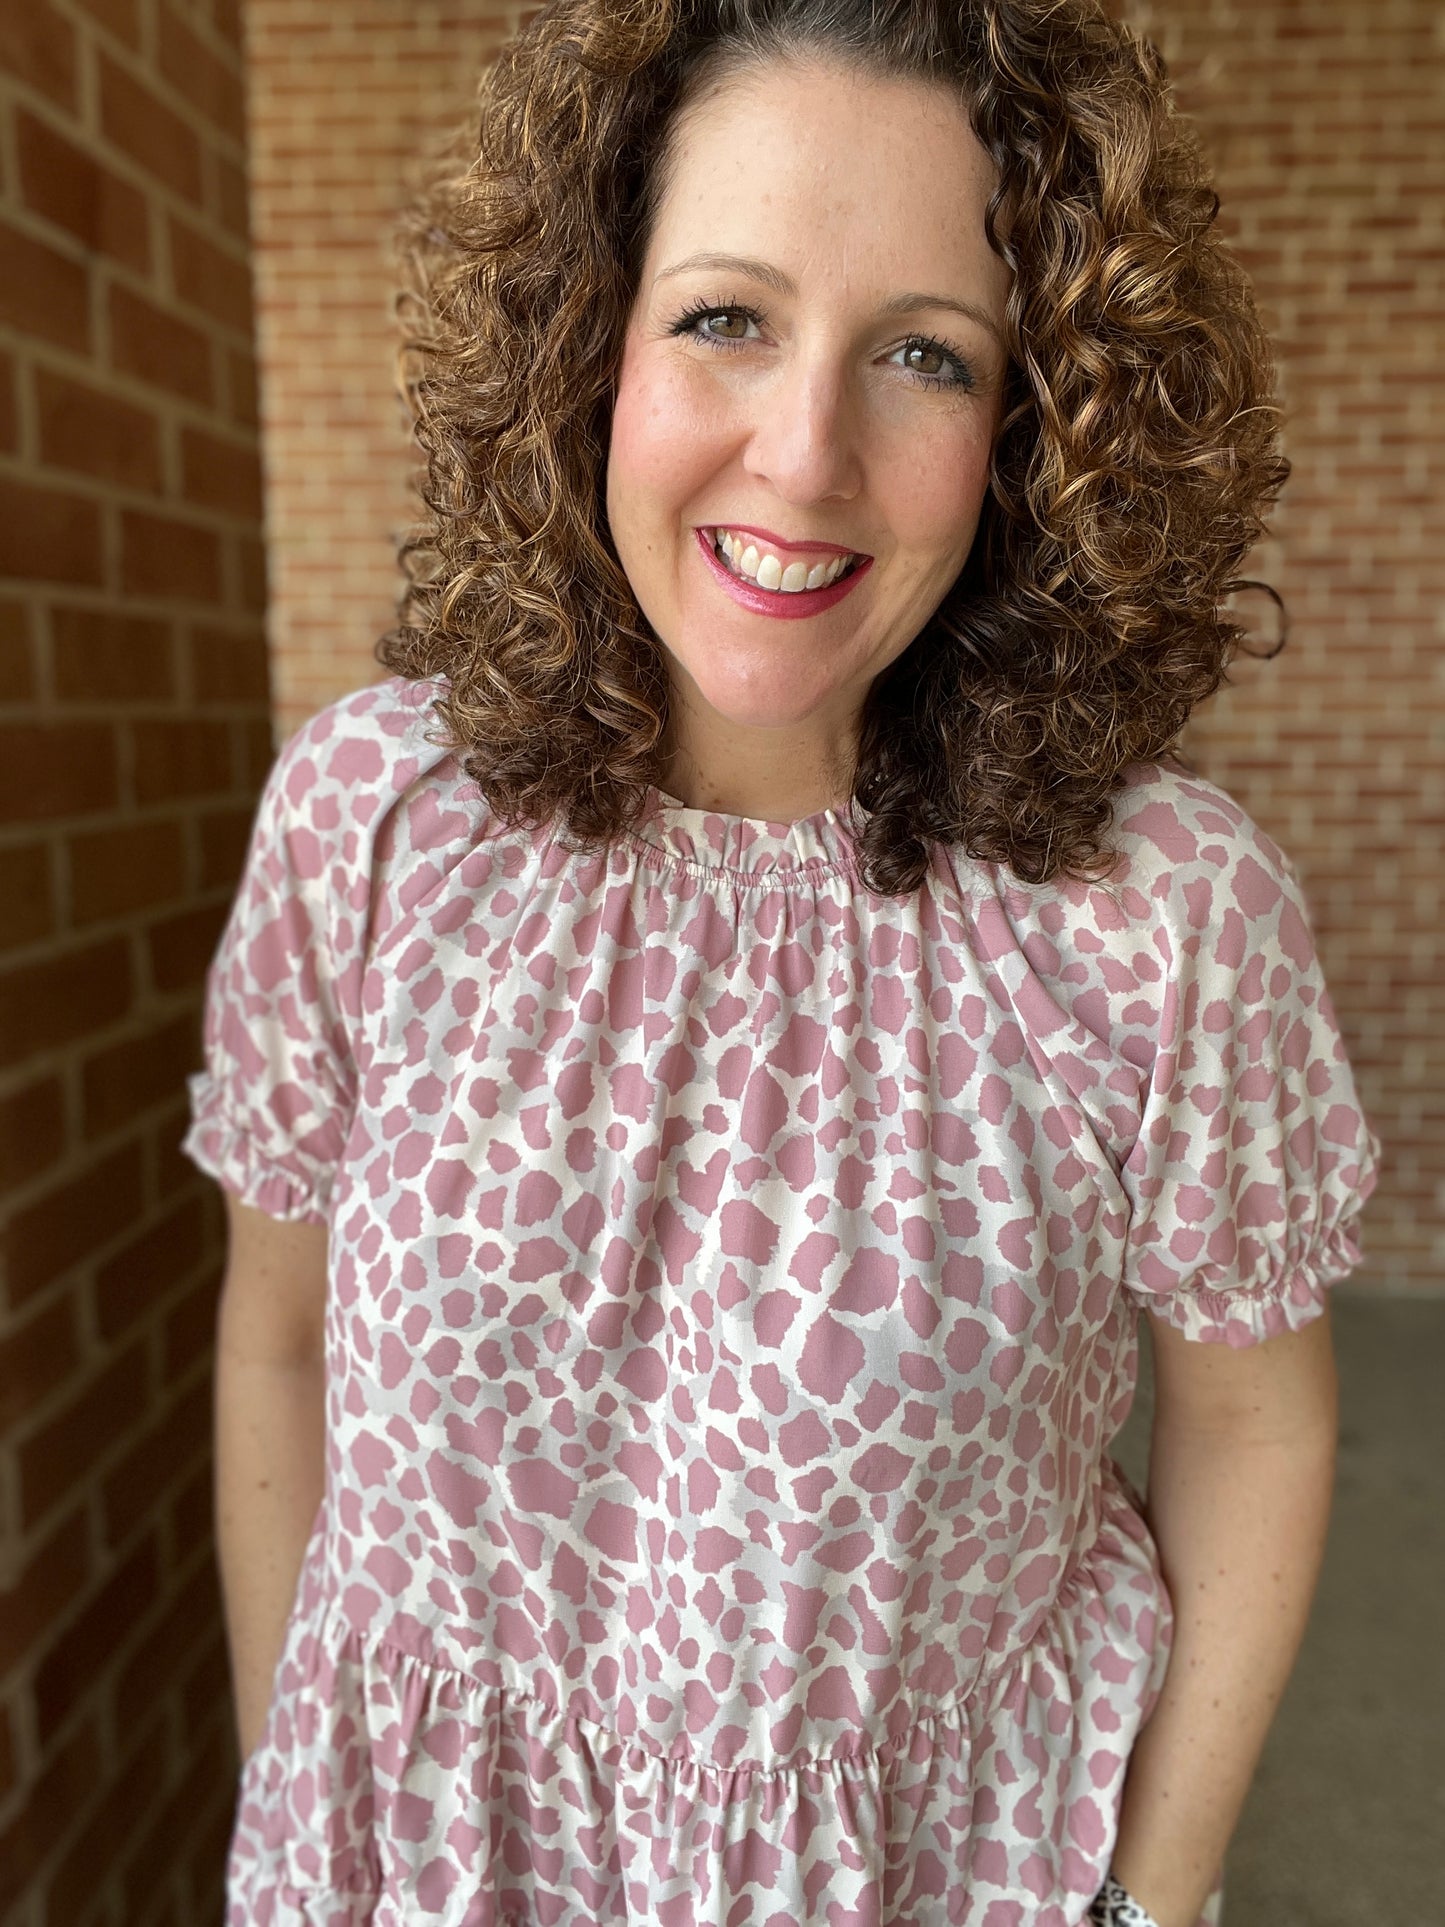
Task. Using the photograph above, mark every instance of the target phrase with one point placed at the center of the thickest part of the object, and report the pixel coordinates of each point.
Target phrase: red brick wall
(133, 736)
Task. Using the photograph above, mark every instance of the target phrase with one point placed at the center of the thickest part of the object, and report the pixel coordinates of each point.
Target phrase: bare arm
(270, 1420)
(1240, 1480)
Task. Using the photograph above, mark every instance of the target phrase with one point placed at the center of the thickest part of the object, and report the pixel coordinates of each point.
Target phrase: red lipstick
(778, 602)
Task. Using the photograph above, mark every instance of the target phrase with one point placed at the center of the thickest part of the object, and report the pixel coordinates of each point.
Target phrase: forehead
(817, 118)
(811, 139)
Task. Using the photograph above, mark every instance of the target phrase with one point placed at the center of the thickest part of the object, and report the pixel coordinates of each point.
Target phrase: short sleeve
(271, 1107)
(1254, 1157)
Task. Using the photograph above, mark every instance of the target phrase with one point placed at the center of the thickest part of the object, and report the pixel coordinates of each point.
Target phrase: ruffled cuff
(1248, 1316)
(290, 1188)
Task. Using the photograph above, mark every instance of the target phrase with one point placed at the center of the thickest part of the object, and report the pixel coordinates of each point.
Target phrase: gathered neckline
(718, 840)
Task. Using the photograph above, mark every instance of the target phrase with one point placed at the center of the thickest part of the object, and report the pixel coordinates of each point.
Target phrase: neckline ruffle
(716, 840)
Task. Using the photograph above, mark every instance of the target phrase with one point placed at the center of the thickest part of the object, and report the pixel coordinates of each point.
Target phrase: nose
(804, 439)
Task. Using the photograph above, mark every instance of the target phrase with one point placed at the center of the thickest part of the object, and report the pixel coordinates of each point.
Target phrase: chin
(771, 698)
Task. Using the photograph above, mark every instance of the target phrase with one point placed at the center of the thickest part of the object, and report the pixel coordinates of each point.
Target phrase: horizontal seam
(789, 876)
(966, 1708)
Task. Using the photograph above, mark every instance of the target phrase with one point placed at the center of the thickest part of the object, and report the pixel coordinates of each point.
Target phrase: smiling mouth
(740, 575)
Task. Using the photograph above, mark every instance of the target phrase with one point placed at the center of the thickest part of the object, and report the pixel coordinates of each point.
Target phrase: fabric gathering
(734, 1284)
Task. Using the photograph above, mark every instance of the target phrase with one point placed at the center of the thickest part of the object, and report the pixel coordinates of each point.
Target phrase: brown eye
(723, 326)
(733, 315)
(929, 354)
(938, 367)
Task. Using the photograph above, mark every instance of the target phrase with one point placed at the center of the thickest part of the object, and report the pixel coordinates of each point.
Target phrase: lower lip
(778, 602)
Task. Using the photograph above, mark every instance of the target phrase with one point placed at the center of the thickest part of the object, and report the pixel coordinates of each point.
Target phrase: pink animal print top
(733, 1291)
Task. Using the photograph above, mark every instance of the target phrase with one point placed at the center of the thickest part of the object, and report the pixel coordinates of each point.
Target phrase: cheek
(660, 439)
(935, 501)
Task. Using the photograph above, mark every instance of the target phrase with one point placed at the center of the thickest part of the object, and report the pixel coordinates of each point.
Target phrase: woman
(710, 1060)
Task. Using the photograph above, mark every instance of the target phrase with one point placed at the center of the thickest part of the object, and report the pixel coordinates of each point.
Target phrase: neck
(778, 782)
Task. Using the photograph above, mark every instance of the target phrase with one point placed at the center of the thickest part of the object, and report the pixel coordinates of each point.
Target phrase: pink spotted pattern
(733, 1292)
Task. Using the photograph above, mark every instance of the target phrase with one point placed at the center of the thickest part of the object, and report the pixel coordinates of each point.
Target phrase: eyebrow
(774, 278)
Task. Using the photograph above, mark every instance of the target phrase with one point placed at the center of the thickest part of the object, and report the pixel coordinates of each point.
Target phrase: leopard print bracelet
(1114, 1907)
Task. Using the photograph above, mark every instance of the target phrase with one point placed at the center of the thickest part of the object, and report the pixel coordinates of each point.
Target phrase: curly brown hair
(1135, 459)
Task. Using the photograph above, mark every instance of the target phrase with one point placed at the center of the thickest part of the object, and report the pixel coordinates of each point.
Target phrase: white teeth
(770, 573)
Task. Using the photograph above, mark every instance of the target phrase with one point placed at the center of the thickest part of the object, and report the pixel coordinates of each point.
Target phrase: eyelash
(686, 324)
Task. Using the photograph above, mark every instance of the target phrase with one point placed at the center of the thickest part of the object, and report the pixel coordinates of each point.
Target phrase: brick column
(345, 100)
(134, 733)
(1327, 124)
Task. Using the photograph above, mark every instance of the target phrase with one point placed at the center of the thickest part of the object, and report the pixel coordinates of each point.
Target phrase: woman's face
(813, 360)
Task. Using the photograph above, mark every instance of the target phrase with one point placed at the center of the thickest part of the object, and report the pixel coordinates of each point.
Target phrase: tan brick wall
(133, 735)
(1326, 119)
(344, 98)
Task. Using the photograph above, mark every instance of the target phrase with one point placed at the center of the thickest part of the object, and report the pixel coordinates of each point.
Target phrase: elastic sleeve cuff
(1250, 1315)
(288, 1189)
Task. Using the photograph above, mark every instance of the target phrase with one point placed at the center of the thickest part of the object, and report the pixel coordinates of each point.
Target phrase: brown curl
(1134, 464)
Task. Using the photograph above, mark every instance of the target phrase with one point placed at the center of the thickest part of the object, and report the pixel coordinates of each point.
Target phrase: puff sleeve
(271, 1108)
(1254, 1156)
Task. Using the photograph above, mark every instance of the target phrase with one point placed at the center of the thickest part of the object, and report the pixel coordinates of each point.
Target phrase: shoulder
(1168, 820)
(370, 746)
(370, 776)
(1193, 860)
(366, 798)
(366, 815)
(1197, 892)
(1185, 853)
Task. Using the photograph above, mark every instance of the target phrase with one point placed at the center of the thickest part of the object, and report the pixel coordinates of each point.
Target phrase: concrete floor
(1345, 1822)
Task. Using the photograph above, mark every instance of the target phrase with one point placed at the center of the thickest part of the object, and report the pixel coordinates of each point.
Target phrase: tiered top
(734, 1278)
